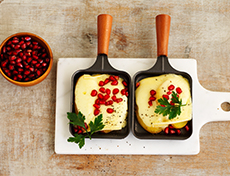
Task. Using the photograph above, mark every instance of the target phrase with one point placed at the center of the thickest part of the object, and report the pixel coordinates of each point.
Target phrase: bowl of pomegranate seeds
(25, 59)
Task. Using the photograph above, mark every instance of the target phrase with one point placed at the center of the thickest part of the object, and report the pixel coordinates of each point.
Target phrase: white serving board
(204, 110)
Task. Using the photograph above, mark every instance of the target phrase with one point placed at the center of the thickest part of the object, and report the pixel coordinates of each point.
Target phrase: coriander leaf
(78, 139)
(76, 119)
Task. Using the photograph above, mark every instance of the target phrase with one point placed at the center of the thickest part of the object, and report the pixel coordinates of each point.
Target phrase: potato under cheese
(145, 109)
(102, 94)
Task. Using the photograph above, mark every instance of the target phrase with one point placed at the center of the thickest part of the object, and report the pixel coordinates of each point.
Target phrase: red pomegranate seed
(27, 79)
(12, 62)
(4, 63)
(28, 43)
(27, 38)
(172, 103)
(15, 72)
(178, 131)
(119, 100)
(150, 103)
(102, 90)
(31, 75)
(15, 78)
(172, 131)
(116, 77)
(39, 72)
(21, 42)
(93, 93)
(96, 106)
(35, 57)
(106, 81)
(114, 98)
(12, 58)
(18, 60)
(165, 96)
(114, 83)
(106, 97)
(86, 126)
(187, 128)
(34, 62)
(4, 49)
(35, 47)
(27, 72)
(37, 65)
(126, 93)
(171, 87)
(75, 130)
(15, 41)
(123, 91)
(178, 90)
(115, 91)
(29, 51)
(124, 83)
(35, 43)
(166, 130)
(137, 84)
(19, 65)
(112, 78)
(100, 96)
(152, 98)
(17, 47)
(152, 92)
(8, 48)
(108, 91)
(110, 110)
(44, 64)
(40, 61)
(9, 43)
(169, 93)
(97, 101)
(171, 127)
(20, 69)
(43, 55)
(20, 76)
(101, 83)
(31, 69)
(102, 102)
(80, 131)
(162, 105)
(11, 67)
(110, 102)
(23, 46)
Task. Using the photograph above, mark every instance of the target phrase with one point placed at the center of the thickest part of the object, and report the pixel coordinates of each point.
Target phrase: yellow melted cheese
(160, 84)
(84, 101)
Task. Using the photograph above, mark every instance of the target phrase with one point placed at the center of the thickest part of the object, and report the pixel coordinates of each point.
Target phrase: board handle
(162, 31)
(104, 26)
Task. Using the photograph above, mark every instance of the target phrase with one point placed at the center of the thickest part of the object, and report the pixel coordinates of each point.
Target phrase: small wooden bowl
(44, 44)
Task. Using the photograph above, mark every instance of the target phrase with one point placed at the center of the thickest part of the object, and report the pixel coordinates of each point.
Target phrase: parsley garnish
(78, 119)
(172, 109)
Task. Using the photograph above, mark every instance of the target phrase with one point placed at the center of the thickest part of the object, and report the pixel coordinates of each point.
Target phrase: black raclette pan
(102, 66)
(162, 66)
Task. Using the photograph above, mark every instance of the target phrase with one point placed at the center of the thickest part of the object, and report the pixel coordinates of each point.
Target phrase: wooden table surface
(199, 29)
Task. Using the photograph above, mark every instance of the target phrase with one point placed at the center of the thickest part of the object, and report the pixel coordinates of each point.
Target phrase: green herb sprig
(79, 119)
(172, 109)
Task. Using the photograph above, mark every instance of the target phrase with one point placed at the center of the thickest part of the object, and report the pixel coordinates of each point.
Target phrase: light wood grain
(199, 30)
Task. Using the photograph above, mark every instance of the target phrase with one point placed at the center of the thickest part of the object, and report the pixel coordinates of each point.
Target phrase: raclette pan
(162, 66)
(102, 66)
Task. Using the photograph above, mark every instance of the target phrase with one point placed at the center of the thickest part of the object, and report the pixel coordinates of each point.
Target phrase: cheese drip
(84, 101)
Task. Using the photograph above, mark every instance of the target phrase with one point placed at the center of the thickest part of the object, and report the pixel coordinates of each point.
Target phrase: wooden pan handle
(104, 26)
(162, 30)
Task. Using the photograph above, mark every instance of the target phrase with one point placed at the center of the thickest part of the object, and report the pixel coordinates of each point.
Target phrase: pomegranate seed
(172, 131)
(15, 41)
(34, 62)
(123, 91)
(12, 62)
(31, 75)
(172, 103)
(80, 131)
(169, 93)
(119, 100)
(38, 72)
(112, 78)
(93, 93)
(4, 63)
(47, 60)
(162, 105)
(171, 127)
(115, 91)
(23, 46)
(97, 101)
(178, 131)
(20, 76)
(15, 78)
(102, 102)
(102, 90)
(75, 130)
(152, 92)
(110, 110)
(106, 97)
(11, 67)
(35, 43)
(29, 51)
(31, 69)
(114, 98)
(20, 69)
(19, 65)
(124, 83)
(108, 91)
(35, 47)
(15, 72)
(96, 112)
(96, 106)
(12, 58)
(40, 61)
(43, 55)
(20, 54)
(8, 48)
(137, 84)
(44, 64)
(9, 43)
(27, 72)
(27, 54)
(106, 81)
(28, 43)
(4, 49)
(166, 130)
(37, 65)
(114, 83)
(165, 96)
(126, 94)
(27, 38)
(17, 47)
(21, 42)
(35, 57)
(150, 103)
(110, 102)
(86, 126)
(152, 98)
(178, 90)
(100, 96)
(101, 83)
(171, 87)
(187, 128)
(27, 79)
(18, 60)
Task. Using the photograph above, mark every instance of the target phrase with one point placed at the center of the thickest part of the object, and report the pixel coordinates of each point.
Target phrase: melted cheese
(146, 113)
(84, 101)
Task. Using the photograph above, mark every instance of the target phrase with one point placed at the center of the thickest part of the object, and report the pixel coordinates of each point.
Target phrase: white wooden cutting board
(206, 108)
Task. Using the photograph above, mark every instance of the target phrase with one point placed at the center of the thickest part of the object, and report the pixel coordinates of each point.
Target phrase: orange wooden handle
(104, 26)
(162, 29)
